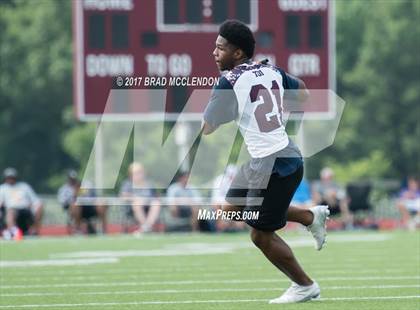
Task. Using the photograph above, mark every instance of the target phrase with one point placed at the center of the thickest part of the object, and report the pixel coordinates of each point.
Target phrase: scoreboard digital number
(175, 38)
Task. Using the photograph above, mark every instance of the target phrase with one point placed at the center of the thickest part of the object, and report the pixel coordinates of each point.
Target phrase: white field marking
(65, 271)
(179, 249)
(327, 268)
(333, 236)
(200, 248)
(217, 271)
(216, 274)
(211, 301)
(58, 262)
(192, 282)
(320, 265)
(325, 262)
(90, 256)
(137, 274)
(205, 290)
(75, 239)
(143, 253)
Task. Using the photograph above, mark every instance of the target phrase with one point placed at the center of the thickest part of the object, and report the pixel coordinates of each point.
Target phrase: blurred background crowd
(352, 205)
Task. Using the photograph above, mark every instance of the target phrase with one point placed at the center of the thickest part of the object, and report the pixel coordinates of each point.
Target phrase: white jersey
(257, 106)
(259, 110)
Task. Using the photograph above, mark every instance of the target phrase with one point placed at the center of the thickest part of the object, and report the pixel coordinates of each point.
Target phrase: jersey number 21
(267, 118)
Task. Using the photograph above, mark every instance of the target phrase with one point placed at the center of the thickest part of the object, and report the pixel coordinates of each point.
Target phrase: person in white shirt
(22, 205)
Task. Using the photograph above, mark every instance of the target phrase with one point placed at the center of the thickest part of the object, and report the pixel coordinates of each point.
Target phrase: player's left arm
(302, 90)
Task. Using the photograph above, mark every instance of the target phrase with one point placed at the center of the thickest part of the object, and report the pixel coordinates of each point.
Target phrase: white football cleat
(298, 293)
(318, 227)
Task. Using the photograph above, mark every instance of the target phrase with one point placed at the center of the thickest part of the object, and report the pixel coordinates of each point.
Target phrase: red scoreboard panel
(175, 38)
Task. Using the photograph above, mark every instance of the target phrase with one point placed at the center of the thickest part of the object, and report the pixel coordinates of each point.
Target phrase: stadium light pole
(181, 135)
(99, 156)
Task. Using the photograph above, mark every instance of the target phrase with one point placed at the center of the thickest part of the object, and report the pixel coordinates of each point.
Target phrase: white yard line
(36, 273)
(58, 262)
(334, 236)
(205, 290)
(191, 282)
(216, 274)
(207, 248)
(215, 301)
(324, 263)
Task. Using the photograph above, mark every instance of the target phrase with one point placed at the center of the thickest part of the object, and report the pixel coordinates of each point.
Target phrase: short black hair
(238, 34)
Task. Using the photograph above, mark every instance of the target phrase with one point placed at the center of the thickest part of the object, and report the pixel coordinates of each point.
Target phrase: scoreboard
(175, 38)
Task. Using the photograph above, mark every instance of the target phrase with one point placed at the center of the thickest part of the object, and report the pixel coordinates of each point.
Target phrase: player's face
(224, 54)
(10, 180)
(137, 175)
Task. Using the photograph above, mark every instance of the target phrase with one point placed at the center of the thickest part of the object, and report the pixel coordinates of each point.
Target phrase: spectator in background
(408, 203)
(67, 194)
(327, 192)
(302, 197)
(143, 204)
(220, 187)
(87, 209)
(183, 202)
(23, 208)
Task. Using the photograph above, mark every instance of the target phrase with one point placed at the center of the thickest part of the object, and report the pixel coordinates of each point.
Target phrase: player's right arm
(222, 107)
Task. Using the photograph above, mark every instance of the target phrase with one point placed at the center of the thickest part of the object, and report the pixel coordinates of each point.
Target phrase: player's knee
(260, 238)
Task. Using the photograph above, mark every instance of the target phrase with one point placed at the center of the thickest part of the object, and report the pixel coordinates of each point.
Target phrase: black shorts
(184, 211)
(88, 212)
(276, 196)
(2, 218)
(24, 219)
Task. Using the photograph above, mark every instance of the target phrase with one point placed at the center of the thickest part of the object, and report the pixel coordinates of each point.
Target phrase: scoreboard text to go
(174, 64)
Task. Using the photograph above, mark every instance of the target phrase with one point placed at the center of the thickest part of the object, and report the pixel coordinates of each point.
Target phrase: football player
(251, 93)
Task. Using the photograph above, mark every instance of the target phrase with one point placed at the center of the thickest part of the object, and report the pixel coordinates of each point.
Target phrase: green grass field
(357, 270)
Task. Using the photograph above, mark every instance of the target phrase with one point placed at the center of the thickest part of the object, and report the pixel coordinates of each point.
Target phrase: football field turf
(356, 270)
